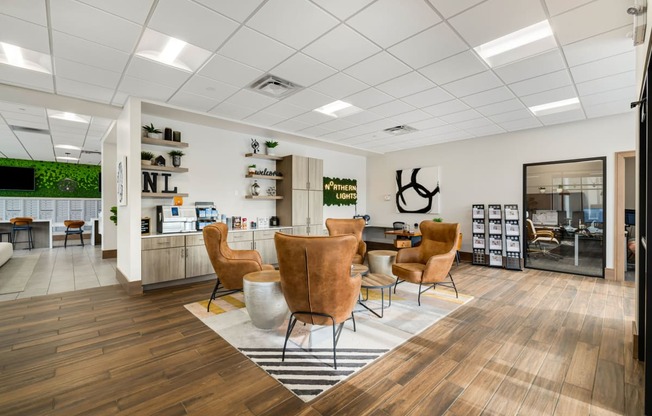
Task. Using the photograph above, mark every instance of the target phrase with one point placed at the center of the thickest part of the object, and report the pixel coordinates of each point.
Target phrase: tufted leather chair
(355, 226)
(316, 280)
(230, 265)
(429, 264)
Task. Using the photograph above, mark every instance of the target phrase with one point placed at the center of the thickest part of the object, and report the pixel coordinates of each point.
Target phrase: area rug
(308, 368)
(15, 273)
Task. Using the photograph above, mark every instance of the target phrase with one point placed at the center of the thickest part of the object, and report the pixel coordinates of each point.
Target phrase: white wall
(489, 170)
(109, 230)
(217, 167)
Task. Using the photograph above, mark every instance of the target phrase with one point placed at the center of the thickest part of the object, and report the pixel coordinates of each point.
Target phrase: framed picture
(121, 180)
(417, 190)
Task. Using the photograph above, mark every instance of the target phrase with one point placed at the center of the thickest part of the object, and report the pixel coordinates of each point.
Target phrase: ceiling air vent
(21, 129)
(398, 130)
(274, 86)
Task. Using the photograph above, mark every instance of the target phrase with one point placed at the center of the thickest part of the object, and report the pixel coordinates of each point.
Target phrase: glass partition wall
(564, 209)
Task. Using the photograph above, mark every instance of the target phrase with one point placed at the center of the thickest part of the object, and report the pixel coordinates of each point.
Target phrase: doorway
(625, 216)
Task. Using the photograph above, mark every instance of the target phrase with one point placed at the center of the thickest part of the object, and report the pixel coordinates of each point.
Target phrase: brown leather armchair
(341, 226)
(430, 263)
(316, 281)
(230, 265)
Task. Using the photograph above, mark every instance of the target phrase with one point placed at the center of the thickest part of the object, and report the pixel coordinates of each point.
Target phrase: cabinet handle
(182, 252)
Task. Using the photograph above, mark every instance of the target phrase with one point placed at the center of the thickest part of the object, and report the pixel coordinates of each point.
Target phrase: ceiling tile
(138, 87)
(24, 78)
(308, 99)
(256, 50)
(613, 82)
(454, 68)
(315, 131)
(627, 93)
(411, 117)
(302, 70)
(448, 107)
(293, 22)
(237, 10)
(24, 34)
(339, 85)
(387, 22)
(531, 67)
(208, 88)
(488, 21)
(473, 84)
(83, 90)
(604, 67)
(429, 46)
(292, 125)
(598, 47)
(368, 98)
(31, 10)
(16, 119)
(21, 109)
(428, 124)
(544, 82)
(485, 130)
(550, 96)
(87, 74)
(364, 117)
(199, 26)
(155, 72)
(342, 9)
(378, 68)
(511, 116)
(250, 99)
(429, 97)
(407, 84)
(589, 20)
(285, 110)
(392, 108)
(501, 107)
(232, 111)
(90, 159)
(264, 119)
(556, 7)
(563, 117)
(89, 53)
(522, 124)
(120, 98)
(449, 8)
(488, 97)
(39, 146)
(136, 11)
(92, 24)
(609, 108)
(10, 146)
(337, 124)
(341, 48)
(221, 68)
(461, 116)
(473, 124)
(312, 118)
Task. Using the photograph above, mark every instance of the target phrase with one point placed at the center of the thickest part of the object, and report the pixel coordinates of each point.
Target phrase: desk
(404, 238)
(41, 233)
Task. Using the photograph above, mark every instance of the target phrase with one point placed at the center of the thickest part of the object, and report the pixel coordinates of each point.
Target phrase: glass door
(564, 209)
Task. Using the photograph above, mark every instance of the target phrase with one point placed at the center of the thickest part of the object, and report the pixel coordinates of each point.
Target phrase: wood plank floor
(530, 343)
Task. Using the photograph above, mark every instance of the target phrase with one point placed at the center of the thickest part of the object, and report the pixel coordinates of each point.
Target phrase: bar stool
(74, 227)
(22, 224)
(7, 233)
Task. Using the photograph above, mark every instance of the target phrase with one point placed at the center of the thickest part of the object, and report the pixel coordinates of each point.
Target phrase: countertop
(236, 230)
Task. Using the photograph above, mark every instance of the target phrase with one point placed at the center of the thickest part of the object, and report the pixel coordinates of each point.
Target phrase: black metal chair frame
(76, 230)
(28, 228)
(217, 294)
(336, 333)
(432, 286)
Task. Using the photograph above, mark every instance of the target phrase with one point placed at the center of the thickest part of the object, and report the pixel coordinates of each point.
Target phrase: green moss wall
(48, 175)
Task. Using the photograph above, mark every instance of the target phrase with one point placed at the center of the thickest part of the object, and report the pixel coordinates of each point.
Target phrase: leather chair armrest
(438, 266)
(408, 255)
(247, 255)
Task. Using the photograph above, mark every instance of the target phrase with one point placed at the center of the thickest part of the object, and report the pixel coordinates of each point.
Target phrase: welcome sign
(340, 191)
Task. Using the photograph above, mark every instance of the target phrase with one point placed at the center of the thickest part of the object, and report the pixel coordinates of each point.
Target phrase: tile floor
(64, 270)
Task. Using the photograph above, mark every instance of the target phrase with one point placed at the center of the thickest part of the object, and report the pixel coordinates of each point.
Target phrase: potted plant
(437, 219)
(152, 132)
(271, 145)
(146, 157)
(176, 157)
(251, 169)
(114, 216)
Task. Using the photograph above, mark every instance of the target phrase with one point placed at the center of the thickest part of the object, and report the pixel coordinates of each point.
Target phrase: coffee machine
(175, 219)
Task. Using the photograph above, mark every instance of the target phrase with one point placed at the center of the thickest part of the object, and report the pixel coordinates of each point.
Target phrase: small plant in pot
(152, 132)
(251, 169)
(270, 146)
(146, 157)
(176, 157)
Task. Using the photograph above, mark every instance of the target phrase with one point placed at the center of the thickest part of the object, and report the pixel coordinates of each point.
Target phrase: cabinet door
(300, 168)
(316, 174)
(300, 204)
(241, 245)
(317, 230)
(316, 207)
(163, 265)
(267, 250)
(197, 262)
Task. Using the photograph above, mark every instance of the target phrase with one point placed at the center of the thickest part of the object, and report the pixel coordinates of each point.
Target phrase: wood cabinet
(303, 190)
(264, 244)
(163, 259)
(197, 261)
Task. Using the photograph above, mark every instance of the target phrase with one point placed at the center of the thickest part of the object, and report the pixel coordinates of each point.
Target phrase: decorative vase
(270, 151)
(153, 135)
(146, 162)
(176, 136)
(255, 189)
(168, 134)
(176, 161)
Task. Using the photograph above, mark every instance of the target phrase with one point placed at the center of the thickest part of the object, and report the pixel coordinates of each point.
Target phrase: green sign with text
(340, 191)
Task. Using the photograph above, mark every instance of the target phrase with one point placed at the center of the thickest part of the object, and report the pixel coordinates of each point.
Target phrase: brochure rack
(495, 236)
(512, 238)
(479, 235)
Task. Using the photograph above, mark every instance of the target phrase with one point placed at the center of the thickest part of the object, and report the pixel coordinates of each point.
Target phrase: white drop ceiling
(403, 62)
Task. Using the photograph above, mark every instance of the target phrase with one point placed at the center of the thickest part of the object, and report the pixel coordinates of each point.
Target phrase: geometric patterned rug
(308, 368)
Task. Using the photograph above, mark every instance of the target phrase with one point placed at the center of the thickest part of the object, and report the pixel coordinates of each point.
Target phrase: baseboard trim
(609, 274)
(132, 288)
(109, 254)
(634, 340)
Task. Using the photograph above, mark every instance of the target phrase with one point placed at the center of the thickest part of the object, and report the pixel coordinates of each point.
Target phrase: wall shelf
(164, 168)
(161, 142)
(162, 195)
(261, 156)
(270, 177)
(263, 197)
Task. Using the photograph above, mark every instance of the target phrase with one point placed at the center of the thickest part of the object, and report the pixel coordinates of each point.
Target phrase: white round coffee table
(380, 261)
(264, 299)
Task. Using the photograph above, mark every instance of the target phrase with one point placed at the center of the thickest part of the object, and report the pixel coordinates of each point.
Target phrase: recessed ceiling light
(517, 45)
(171, 51)
(62, 115)
(67, 147)
(338, 109)
(556, 107)
(24, 58)
(67, 158)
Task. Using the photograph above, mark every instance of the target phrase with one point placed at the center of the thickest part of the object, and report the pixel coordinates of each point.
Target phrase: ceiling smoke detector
(274, 86)
(399, 130)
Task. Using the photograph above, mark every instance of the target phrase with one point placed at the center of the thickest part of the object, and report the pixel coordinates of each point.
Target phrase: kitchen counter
(236, 230)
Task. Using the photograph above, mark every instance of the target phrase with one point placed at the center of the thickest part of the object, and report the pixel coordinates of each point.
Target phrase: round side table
(380, 261)
(264, 300)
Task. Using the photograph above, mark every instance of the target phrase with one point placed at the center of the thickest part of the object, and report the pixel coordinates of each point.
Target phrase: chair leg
(454, 287)
(81, 238)
(353, 319)
(217, 285)
(457, 257)
(31, 239)
(65, 241)
(291, 324)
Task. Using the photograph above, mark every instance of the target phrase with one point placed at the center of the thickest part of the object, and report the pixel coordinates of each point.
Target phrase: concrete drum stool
(380, 261)
(264, 299)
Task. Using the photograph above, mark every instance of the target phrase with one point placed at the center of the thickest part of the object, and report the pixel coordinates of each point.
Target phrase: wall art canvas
(418, 191)
(121, 180)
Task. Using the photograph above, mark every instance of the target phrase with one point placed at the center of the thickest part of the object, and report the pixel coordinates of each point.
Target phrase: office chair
(537, 236)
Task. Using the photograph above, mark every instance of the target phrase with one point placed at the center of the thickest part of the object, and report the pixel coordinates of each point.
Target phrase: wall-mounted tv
(13, 178)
